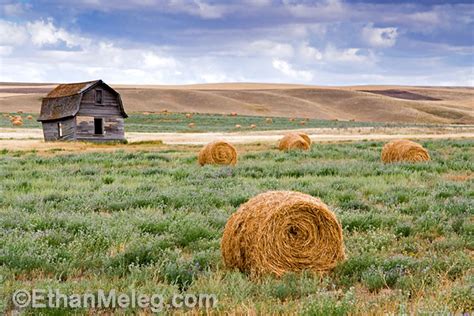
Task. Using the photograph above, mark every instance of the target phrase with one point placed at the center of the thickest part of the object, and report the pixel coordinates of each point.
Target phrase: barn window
(98, 96)
(98, 126)
(60, 130)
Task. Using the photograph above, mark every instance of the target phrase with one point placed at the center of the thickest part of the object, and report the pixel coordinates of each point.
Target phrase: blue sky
(322, 42)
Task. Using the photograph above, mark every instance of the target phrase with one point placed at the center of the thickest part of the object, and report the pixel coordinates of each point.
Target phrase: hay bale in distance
(269, 120)
(218, 153)
(17, 123)
(404, 150)
(253, 126)
(189, 115)
(238, 126)
(294, 141)
(281, 231)
(29, 117)
(233, 113)
(191, 125)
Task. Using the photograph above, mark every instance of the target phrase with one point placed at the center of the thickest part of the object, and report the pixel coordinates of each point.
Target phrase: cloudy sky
(323, 42)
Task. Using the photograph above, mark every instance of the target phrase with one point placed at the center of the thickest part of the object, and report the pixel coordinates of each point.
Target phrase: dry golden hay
(302, 122)
(218, 153)
(404, 150)
(29, 117)
(189, 115)
(305, 137)
(253, 126)
(268, 120)
(238, 126)
(282, 231)
(233, 113)
(291, 119)
(191, 125)
(294, 141)
(17, 123)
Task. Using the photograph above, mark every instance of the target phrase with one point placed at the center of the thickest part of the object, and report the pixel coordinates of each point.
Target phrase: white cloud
(379, 37)
(270, 48)
(348, 55)
(288, 70)
(34, 51)
(12, 33)
(152, 60)
(325, 9)
(199, 8)
(310, 53)
(5, 50)
(44, 33)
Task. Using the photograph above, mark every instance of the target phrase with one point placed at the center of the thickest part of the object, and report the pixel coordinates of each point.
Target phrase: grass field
(152, 221)
(177, 122)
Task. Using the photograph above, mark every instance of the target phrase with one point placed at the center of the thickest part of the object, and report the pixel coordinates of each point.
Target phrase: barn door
(98, 126)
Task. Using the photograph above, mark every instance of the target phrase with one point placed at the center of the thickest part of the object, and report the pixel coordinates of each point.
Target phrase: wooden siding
(51, 131)
(108, 108)
(113, 129)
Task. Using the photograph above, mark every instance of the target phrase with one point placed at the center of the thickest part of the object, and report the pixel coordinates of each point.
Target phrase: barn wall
(51, 132)
(113, 129)
(108, 108)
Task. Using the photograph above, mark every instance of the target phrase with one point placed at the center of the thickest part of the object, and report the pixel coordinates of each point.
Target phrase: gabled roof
(65, 90)
(64, 101)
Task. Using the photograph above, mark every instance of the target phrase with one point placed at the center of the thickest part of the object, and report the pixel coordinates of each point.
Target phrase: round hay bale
(218, 153)
(191, 125)
(281, 231)
(404, 150)
(253, 126)
(29, 117)
(302, 122)
(305, 137)
(294, 141)
(17, 123)
(233, 113)
(291, 119)
(238, 126)
(269, 120)
(189, 115)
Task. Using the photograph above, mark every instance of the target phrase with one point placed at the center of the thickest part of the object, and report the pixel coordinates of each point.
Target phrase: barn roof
(65, 100)
(65, 90)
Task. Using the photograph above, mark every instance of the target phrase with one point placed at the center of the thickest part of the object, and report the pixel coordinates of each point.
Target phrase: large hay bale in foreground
(305, 137)
(218, 153)
(295, 141)
(281, 231)
(404, 150)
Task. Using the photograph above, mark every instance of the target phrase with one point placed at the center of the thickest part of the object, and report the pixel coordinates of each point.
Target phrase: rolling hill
(361, 103)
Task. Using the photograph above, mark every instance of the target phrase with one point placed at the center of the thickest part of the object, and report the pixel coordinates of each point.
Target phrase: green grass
(153, 221)
(177, 122)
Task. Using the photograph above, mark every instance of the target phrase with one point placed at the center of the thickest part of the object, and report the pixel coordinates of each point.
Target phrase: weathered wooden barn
(88, 111)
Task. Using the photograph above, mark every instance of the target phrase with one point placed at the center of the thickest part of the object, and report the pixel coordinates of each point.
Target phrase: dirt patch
(32, 139)
(459, 177)
(402, 94)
